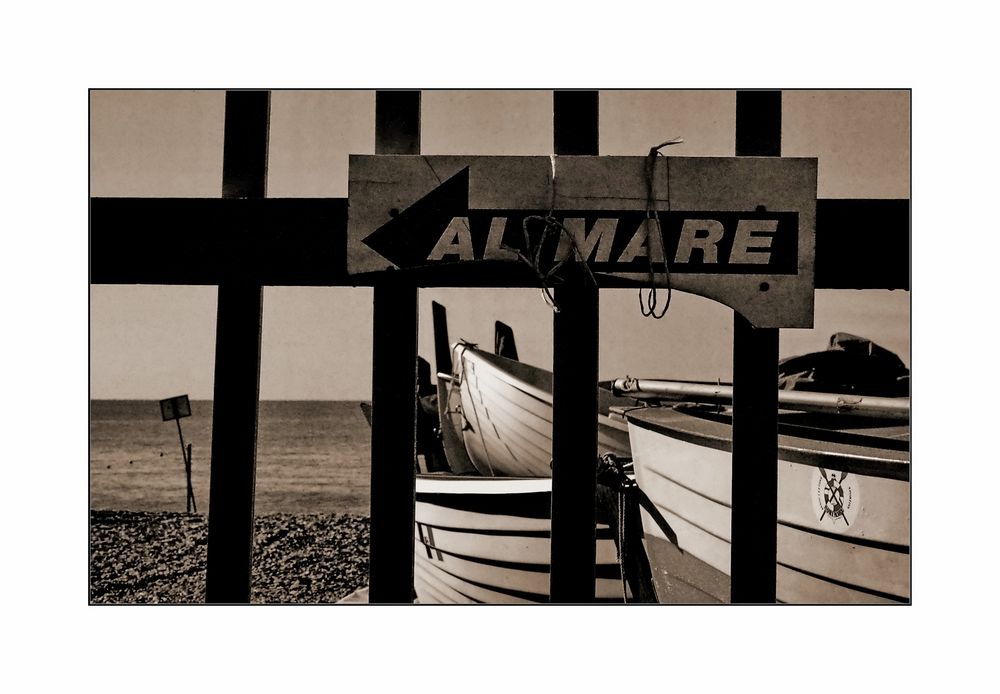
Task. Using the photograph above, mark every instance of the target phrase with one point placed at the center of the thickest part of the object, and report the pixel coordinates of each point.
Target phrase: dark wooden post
(755, 399)
(574, 387)
(237, 368)
(394, 385)
(575, 122)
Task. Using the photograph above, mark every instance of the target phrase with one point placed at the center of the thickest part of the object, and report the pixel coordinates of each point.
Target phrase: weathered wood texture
(435, 214)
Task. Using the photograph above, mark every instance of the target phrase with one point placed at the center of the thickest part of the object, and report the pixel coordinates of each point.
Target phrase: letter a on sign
(643, 244)
(703, 234)
(456, 240)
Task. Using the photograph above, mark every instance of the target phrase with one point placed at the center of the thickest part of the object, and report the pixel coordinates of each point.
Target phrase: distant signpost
(176, 408)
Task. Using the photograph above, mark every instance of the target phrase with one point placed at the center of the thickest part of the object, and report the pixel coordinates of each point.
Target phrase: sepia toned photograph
(499, 347)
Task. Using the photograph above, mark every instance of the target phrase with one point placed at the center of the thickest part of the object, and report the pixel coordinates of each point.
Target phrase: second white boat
(487, 540)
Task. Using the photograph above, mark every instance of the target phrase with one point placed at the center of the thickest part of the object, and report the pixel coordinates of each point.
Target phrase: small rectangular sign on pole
(175, 407)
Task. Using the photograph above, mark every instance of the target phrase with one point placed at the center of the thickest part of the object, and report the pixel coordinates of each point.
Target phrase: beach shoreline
(141, 557)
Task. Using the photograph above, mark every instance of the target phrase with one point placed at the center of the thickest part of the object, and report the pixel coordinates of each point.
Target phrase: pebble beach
(160, 557)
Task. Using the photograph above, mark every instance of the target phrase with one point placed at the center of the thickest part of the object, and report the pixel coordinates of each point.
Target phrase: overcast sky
(152, 342)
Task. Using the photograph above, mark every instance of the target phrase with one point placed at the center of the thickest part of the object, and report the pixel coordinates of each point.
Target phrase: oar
(449, 398)
(442, 350)
(803, 401)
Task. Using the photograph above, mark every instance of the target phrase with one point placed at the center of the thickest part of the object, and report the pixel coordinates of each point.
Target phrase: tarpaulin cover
(850, 364)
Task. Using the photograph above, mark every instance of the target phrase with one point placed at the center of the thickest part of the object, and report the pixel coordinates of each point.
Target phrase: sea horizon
(313, 456)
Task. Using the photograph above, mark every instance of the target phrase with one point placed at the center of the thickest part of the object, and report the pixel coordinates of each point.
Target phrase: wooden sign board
(740, 230)
(175, 408)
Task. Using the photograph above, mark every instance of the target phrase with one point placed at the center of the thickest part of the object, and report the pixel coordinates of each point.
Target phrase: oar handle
(804, 401)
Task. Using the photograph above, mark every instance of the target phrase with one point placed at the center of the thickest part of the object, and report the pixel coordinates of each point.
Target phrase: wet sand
(143, 557)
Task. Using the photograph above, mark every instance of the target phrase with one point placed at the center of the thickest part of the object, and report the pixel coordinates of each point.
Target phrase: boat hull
(507, 411)
(487, 540)
(843, 511)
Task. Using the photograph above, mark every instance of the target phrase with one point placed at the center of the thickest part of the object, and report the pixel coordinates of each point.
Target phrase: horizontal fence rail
(860, 244)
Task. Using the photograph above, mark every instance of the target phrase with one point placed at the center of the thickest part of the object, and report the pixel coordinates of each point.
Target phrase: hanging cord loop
(550, 226)
(647, 297)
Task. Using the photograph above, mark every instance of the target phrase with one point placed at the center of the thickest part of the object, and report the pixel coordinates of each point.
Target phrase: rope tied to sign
(648, 301)
(550, 226)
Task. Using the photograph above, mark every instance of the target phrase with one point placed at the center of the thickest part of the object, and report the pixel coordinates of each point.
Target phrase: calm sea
(312, 457)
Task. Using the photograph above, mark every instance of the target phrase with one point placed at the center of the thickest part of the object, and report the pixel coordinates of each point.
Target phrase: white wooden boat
(843, 504)
(506, 414)
(486, 540)
(482, 531)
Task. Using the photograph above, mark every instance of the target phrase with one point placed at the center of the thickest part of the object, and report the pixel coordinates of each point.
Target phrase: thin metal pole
(755, 400)
(187, 465)
(193, 502)
(237, 368)
(574, 388)
(394, 389)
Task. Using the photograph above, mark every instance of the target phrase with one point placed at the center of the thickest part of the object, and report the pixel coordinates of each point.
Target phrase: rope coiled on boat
(611, 473)
(619, 499)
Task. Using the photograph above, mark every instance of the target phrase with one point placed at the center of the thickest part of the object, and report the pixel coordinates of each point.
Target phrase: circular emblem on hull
(835, 498)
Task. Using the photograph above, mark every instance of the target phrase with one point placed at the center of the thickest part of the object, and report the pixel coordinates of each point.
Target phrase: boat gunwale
(688, 427)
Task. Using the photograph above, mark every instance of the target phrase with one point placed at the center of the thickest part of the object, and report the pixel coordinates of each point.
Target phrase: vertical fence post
(237, 369)
(755, 399)
(394, 384)
(574, 386)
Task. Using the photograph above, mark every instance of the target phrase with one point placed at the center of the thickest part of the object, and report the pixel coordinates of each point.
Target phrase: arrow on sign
(440, 228)
(409, 237)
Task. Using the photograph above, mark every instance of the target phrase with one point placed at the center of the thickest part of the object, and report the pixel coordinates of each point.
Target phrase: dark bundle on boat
(429, 439)
(429, 442)
(851, 364)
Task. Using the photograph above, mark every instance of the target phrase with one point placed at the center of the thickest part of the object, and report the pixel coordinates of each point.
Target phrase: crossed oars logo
(834, 497)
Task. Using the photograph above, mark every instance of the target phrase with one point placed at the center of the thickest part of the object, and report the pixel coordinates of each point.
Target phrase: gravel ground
(138, 558)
